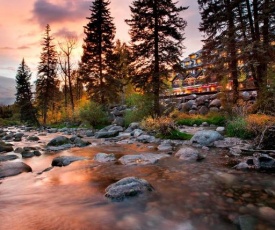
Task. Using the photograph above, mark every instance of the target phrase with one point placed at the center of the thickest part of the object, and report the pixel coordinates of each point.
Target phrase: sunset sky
(22, 25)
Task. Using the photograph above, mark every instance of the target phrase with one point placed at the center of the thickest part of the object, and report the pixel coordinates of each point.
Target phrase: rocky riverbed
(121, 178)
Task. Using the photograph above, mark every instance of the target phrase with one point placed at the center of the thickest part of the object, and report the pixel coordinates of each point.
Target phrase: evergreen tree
(24, 95)
(239, 31)
(47, 82)
(97, 59)
(156, 31)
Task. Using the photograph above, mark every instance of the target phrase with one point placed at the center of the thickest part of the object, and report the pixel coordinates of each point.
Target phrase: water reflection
(205, 195)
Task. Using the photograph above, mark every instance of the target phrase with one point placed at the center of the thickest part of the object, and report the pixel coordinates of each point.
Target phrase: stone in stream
(104, 157)
(247, 222)
(142, 159)
(127, 187)
(206, 137)
(13, 168)
(5, 147)
(8, 157)
(60, 140)
(27, 154)
(33, 138)
(65, 160)
(189, 154)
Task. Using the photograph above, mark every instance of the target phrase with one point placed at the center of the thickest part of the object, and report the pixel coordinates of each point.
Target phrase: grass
(189, 120)
(175, 135)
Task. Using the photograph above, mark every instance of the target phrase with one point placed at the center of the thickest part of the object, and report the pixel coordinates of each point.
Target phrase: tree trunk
(156, 75)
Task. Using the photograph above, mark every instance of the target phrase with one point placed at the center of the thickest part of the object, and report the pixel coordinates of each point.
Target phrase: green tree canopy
(157, 34)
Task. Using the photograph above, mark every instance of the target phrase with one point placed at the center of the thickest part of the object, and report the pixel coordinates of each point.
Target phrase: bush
(164, 127)
(257, 123)
(93, 114)
(238, 127)
(142, 106)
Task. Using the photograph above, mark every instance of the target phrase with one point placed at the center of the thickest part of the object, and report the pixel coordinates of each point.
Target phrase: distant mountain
(7, 90)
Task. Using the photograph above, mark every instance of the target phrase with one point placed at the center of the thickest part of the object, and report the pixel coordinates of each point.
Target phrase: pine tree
(97, 59)
(156, 31)
(47, 82)
(24, 94)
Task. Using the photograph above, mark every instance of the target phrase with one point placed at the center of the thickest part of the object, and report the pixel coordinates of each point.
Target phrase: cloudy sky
(22, 25)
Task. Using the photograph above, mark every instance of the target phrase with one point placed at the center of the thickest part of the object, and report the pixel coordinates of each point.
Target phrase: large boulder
(65, 160)
(77, 141)
(13, 168)
(215, 103)
(141, 159)
(128, 187)
(27, 154)
(206, 137)
(60, 140)
(104, 157)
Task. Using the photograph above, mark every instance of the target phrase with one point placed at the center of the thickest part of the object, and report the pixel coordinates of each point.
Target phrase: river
(206, 195)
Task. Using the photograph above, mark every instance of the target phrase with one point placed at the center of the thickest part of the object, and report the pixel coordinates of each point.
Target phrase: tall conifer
(97, 59)
(24, 94)
(47, 82)
(157, 34)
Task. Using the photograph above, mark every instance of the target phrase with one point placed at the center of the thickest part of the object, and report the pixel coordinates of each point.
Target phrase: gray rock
(227, 142)
(127, 187)
(5, 147)
(33, 138)
(137, 132)
(165, 147)
(204, 124)
(214, 109)
(220, 129)
(52, 130)
(27, 154)
(37, 153)
(104, 157)
(8, 157)
(146, 138)
(13, 168)
(215, 103)
(134, 125)
(203, 110)
(267, 213)
(119, 121)
(106, 134)
(60, 140)
(116, 128)
(188, 154)
(77, 141)
(65, 160)
(89, 133)
(59, 148)
(206, 137)
(247, 222)
(141, 159)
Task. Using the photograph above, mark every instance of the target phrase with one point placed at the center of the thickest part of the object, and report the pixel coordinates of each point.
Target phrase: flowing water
(187, 196)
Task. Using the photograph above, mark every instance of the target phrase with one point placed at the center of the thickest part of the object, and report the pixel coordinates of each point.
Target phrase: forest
(112, 73)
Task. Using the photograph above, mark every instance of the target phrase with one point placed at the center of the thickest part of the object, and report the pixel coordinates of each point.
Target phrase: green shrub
(190, 120)
(238, 127)
(142, 106)
(176, 135)
(93, 114)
